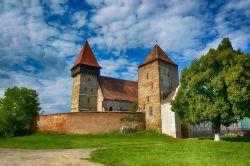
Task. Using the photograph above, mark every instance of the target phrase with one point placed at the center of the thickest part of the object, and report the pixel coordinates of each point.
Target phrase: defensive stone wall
(90, 122)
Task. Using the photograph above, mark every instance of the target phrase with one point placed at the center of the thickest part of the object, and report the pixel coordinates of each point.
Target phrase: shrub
(17, 109)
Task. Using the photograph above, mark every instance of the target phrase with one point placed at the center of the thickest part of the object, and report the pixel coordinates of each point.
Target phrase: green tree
(17, 108)
(134, 107)
(215, 88)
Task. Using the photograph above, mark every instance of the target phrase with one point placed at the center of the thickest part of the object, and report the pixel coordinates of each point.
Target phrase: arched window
(110, 109)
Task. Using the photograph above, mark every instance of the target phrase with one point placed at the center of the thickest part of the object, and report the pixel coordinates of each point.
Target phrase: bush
(17, 109)
(134, 107)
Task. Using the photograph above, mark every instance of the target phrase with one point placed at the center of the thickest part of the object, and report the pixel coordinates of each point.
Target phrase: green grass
(146, 148)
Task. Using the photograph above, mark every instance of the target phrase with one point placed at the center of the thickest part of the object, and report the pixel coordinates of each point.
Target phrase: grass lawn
(146, 148)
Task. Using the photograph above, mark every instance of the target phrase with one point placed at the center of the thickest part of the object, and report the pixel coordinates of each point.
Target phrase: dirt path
(58, 157)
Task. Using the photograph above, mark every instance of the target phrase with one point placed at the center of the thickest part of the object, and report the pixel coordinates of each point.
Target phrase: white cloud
(57, 7)
(38, 54)
(34, 53)
(79, 18)
(233, 21)
(119, 67)
(131, 25)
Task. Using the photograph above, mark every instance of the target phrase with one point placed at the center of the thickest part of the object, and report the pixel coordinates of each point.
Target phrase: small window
(110, 109)
(88, 100)
(147, 75)
(85, 89)
(150, 111)
(148, 98)
(152, 85)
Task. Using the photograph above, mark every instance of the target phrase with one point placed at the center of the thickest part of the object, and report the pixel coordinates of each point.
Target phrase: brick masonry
(90, 122)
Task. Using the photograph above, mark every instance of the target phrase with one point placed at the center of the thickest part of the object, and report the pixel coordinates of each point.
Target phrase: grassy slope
(145, 148)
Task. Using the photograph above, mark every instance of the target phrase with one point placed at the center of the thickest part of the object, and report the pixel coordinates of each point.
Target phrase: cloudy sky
(40, 39)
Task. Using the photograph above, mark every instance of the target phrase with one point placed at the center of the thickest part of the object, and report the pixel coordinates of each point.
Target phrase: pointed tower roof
(157, 54)
(86, 57)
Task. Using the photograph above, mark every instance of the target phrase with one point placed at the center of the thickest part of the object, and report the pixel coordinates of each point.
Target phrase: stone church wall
(117, 105)
(90, 122)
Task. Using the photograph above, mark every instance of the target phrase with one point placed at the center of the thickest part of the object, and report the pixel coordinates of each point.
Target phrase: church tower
(85, 74)
(157, 78)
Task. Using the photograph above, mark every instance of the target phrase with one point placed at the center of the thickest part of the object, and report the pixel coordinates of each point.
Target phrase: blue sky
(39, 40)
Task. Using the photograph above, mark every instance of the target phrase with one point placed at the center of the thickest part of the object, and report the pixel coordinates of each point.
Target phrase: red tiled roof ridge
(119, 79)
(86, 57)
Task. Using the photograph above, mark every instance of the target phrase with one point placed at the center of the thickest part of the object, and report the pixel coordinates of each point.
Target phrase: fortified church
(157, 81)
(101, 104)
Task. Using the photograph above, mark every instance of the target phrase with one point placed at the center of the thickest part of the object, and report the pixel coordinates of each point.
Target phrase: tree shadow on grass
(229, 138)
(237, 139)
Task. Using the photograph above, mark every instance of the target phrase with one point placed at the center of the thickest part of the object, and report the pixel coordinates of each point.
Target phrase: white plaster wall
(171, 124)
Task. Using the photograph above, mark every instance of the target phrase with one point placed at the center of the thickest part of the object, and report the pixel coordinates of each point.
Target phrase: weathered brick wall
(90, 122)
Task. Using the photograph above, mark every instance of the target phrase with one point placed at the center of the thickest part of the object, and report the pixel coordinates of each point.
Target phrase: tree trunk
(216, 131)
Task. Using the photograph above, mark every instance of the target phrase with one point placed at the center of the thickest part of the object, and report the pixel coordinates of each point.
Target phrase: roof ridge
(120, 79)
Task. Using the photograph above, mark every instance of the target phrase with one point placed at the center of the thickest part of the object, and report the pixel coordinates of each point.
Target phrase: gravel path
(58, 157)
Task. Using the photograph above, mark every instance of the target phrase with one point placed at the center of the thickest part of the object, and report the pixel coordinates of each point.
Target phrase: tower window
(147, 75)
(110, 109)
(150, 111)
(148, 98)
(85, 89)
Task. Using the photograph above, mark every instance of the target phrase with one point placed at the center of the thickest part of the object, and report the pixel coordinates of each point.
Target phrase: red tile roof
(157, 54)
(86, 57)
(119, 90)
